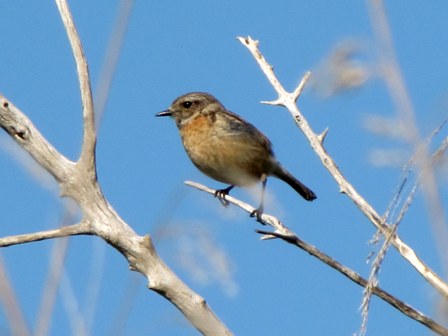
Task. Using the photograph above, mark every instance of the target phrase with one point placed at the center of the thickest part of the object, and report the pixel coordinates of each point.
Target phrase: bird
(227, 148)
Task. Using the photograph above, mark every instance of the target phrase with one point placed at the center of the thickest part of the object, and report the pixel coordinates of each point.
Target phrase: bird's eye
(187, 104)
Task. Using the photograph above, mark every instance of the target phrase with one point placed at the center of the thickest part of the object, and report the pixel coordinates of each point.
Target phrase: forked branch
(78, 181)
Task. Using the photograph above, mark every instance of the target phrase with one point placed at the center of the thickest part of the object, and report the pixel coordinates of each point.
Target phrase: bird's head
(191, 105)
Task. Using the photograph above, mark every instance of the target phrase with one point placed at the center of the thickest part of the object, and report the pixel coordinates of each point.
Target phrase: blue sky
(173, 47)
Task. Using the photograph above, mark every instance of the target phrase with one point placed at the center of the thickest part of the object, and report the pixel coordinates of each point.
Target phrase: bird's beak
(166, 113)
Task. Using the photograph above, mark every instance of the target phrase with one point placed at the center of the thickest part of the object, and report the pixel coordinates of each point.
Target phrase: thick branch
(22, 131)
(79, 182)
(104, 222)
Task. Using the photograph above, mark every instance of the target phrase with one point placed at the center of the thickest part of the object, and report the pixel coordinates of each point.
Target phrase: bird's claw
(258, 213)
(221, 194)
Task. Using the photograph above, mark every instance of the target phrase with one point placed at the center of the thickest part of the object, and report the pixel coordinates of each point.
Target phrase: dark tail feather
(298, 186)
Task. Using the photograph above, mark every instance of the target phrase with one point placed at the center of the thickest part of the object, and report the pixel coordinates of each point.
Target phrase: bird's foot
(257, 213)
(222, 193)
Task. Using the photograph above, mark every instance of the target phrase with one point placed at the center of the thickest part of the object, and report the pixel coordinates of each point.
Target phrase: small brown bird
(227, 148)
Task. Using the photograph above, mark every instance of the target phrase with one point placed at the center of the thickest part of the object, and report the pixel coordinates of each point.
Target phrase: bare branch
(440, 151)
(376, 265)
(265, 218)
(298, 91)
(287, 235)
(372, 282)
(395, 83)
(22, 131)
(355, 277)
(252, 45)
(78, 181)
(89, 143)
(102, 220)
(286, 100)
(65, 231)
(292, 238)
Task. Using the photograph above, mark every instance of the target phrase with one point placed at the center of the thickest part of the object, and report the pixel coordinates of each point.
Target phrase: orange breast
(227, 157)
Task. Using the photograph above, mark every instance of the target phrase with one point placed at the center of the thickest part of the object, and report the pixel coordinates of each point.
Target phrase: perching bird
(227, 148)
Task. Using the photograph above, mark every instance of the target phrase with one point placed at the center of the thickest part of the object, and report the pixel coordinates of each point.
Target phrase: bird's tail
(298, 186)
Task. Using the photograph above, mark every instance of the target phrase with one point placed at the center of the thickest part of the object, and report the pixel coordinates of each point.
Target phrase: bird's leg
(258, 212)
(221, 194)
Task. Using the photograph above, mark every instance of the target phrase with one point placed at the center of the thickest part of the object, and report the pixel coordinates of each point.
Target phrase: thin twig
(381, 255)
(358, 279)
(65, 231)
(438, 154)
(298, 91)
(393, 78)
(265, 218)
(372, 282)
(373, 277)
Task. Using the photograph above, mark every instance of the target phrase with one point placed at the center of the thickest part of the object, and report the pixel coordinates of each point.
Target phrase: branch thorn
(323, 135)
